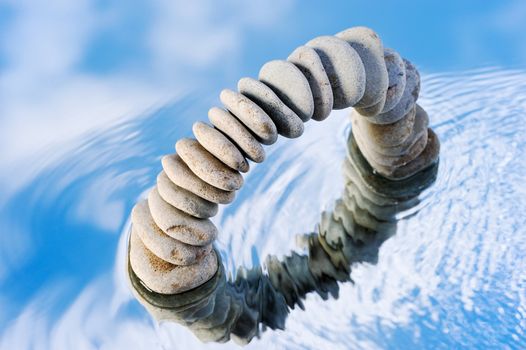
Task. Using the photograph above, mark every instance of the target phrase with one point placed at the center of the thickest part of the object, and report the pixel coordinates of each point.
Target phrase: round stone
(159, 243)
(309, 63)
(408, 99)
(237, 132)
(184, 200)
(385, 135)
(181, 175)
(207, 167)
(287, 122)
(215, 142)
(291, 86)
(371, 51)
(344, 69)
(178, 224)
(397, 78)
(251, 115)
(164, 278)
(425, 159)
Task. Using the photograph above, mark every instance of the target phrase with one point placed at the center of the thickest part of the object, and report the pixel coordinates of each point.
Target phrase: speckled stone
(397, 78)
(291, 86)
(181, 175)
(162, 277)
(385, 135)
(287, 122)
(215, 142)
(344, 69)
(179, 225)
(184, 200)
(371, 51)
(207, 167)
(238, 133)
(425, 159)
(309, 63)
(409, 97)
(251, 115)
(159, 243)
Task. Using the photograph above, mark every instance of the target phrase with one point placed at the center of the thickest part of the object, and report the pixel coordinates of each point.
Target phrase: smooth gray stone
(287, 122)
(238, 133)
(162, 277)
(291, 86)
(181, 175)
(371, 51)
(251, 115)
(207, 167)
(409, 97)
(184, 200)
(425, 159)
(215, 142)
(397, 78)
(344, 69)
(179, 225)
(384, 135)
(159, 243)
(309, 63)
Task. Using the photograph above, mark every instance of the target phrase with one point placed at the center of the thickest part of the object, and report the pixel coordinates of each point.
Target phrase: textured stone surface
(397, 78)
(215, 142)
(371, 51)
(384, 135)
(207, 167)
(181, 175)
(287, 122)
(291, 86)
(165, 278)
(159, 243)
(408, 99)
(309, 63)
(425, 159)
(344, 69)
(179, 225)
(238, 133)
(251, 115)
(184, 200)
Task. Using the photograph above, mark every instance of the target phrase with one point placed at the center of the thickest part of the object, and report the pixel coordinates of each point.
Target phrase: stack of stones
(172, 235)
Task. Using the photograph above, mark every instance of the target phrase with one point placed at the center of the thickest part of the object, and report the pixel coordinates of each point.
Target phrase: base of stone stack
(162, 277)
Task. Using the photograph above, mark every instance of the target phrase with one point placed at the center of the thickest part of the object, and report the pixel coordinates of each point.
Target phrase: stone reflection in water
(362, 219)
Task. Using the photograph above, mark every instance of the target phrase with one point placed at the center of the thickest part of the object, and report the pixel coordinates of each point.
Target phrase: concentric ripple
(452, 277)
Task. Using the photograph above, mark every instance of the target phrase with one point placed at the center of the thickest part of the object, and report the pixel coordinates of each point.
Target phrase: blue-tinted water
(453, 276)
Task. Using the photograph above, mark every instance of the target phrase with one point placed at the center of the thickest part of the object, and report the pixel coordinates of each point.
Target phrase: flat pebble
(251, 115)
(309, 63)
(179, 225)
(207, 167)
(184, 200)
(159, 243)
(238, 133)
(397, 78)
(291, 86)
(371, 51)
(162, 277)
(344, 69)
(181, 175)
(425, 159)
(408, 99)
(385, 135)
(287, 122)
(215, 142)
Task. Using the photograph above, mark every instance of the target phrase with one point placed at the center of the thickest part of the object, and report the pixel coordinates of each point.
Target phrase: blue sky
(70, 66)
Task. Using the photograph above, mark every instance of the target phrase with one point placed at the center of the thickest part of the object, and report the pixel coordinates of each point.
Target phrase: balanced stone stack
(172, 235)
